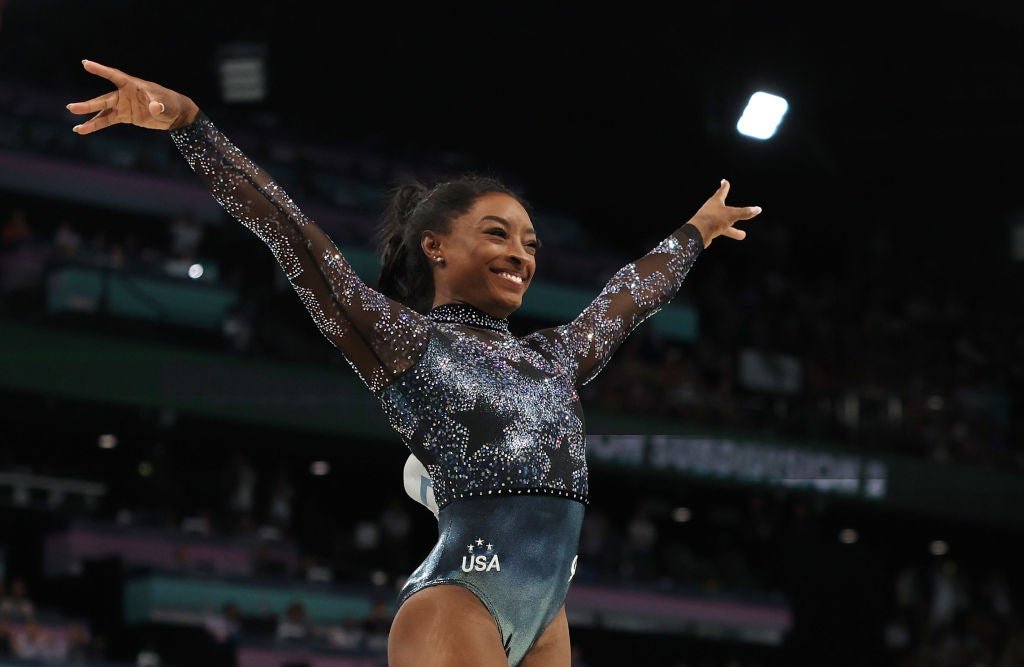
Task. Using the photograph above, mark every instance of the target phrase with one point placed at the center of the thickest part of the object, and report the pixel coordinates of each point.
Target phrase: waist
(540, 528)
(512, 491)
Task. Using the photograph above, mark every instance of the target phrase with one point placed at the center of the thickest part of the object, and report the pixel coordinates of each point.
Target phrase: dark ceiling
(902, 124)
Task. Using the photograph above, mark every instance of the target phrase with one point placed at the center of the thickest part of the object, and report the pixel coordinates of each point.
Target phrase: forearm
(637, 291)
(682, 233)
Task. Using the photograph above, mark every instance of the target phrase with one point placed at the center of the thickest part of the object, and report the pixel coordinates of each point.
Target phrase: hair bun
(407, 197)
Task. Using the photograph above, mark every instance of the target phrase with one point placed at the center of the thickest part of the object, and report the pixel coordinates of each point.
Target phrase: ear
(430, 242)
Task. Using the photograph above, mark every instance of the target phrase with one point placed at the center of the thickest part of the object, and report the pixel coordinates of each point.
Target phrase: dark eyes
(498, 231)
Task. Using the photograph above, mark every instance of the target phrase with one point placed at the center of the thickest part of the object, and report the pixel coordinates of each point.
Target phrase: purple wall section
(67, 548)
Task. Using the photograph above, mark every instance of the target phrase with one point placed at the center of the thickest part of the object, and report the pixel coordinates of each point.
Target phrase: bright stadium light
(762, 115)
(242, 68)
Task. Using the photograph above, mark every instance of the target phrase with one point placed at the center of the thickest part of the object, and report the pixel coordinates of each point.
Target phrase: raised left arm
(638, 290)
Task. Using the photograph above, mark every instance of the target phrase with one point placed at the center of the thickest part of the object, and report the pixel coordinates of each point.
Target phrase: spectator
(349, 635)
(81, 648)
(242, 481)
(66, 241)
(5, 637)
(366, 539)
(182, 557)
(595, 554)
(17, 604)
(294, 626)
(186, 235)
(314, 571)
(22, 262)
(641, 536)
(15, 230)
(377, 625)
(225, 626)
(264, 563)
(281, 498)
(236, 330)
(395, 524)
(33, 642)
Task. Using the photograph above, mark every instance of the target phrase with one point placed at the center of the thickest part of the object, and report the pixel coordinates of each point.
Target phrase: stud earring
(439, 259)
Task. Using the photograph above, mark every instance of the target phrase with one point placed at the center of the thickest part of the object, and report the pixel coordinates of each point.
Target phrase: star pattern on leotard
(479, 543)
(484, 410)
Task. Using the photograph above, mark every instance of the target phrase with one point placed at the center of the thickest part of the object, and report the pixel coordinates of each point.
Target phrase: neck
(493, 311)
(459, 312)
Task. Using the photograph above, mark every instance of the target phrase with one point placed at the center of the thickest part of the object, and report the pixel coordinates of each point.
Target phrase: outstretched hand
(715, 218)
(136, 101)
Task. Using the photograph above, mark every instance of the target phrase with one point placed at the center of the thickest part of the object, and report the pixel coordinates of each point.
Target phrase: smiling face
(489, 256)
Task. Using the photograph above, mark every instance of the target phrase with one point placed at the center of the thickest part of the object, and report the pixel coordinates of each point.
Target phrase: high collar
(463, 313)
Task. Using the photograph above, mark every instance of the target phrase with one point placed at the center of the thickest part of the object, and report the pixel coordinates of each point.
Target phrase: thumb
(156, 108)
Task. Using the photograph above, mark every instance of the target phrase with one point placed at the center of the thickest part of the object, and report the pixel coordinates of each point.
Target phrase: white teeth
(512, 277)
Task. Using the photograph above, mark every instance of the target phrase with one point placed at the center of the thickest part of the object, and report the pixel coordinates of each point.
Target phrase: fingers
(745, 212)
(104, 118)
(156, 108)
(115, 76)
(106, 101)
(723, 190)
(734, 233)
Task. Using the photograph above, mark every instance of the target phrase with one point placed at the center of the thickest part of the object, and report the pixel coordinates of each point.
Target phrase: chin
(514, 304)
(508, 304)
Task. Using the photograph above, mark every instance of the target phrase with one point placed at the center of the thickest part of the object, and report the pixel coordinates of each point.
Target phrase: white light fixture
(320, 468)
(681, 514)
(242, 70)
(762, 115)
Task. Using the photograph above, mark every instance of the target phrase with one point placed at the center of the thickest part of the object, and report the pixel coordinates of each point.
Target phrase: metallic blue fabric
(517, 554)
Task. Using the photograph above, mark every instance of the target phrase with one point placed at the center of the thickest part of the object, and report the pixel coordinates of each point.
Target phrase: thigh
(552, 649)
(445, 625)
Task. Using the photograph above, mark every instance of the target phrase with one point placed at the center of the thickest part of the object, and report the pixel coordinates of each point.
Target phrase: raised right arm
(379, 337)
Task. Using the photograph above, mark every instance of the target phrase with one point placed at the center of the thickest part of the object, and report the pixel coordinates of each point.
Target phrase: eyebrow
(529, 230)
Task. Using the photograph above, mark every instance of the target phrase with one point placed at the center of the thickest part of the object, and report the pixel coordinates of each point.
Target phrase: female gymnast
(494, 419)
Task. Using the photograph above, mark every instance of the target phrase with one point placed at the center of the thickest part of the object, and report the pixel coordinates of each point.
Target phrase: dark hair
(412, 208)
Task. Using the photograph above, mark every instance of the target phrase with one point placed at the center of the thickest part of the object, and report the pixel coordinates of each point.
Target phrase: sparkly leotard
(494, 418)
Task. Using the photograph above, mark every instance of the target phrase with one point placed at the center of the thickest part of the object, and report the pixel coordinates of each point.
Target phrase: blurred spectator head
(66, 240)
(296, 612)
(294, 624)
(16, 229)
(17, 603)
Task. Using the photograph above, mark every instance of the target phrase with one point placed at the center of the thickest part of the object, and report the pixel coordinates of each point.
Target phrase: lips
(511, 277)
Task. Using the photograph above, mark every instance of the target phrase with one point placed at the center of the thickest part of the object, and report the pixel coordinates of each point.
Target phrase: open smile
(511, 278)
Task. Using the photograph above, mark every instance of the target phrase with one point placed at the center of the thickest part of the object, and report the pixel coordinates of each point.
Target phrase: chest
(496, 378)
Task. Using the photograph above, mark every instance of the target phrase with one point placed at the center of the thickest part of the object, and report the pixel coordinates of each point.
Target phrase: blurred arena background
(812, 457)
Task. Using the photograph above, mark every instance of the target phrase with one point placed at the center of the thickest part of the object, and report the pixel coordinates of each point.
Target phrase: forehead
(501, 205)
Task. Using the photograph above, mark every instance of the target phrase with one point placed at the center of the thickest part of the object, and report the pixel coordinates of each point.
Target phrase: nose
(518, 254)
